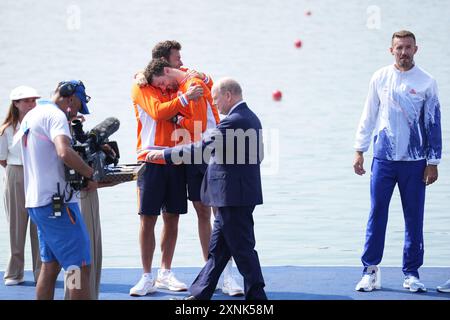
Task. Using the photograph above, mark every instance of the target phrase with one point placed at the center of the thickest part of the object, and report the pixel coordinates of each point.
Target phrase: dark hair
(162, 49)
(403, 34)
(155, 68)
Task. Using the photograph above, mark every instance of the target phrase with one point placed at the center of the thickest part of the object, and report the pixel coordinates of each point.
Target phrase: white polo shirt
(43, 169)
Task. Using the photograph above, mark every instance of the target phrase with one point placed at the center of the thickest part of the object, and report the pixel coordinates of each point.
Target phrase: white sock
(164, 272)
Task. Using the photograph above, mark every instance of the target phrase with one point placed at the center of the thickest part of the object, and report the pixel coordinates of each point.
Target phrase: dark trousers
(232, 236)
(409, 177)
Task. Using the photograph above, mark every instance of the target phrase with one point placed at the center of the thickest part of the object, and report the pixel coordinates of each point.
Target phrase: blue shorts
(63, 239)
(194, 178)
(162, 188)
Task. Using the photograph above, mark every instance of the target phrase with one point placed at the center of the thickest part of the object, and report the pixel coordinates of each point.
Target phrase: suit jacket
(235, 151)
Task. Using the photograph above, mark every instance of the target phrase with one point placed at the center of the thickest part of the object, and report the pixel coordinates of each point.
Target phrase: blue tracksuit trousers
(409, 177)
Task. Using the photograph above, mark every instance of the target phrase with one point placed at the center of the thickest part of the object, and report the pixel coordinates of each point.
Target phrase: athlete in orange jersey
(204, 116)
(154, 112)
(170, 51)
(161, 187)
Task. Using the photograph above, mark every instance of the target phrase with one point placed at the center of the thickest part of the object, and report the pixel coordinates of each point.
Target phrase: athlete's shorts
(63, 239)
(194, 178)
(162, 187)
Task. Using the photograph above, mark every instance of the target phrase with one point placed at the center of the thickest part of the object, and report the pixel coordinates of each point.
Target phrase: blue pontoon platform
(282, 283)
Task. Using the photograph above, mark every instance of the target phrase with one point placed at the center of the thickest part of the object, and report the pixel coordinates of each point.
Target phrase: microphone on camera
(103, 130)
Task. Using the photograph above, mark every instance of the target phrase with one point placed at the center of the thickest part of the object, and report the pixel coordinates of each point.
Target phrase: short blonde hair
(403, 34)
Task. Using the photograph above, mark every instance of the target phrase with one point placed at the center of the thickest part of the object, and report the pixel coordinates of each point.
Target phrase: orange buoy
(298, 43)
(276, 95)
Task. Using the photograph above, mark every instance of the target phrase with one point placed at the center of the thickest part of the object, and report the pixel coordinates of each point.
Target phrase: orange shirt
(206, 80)
(204, 114)
(154, 111)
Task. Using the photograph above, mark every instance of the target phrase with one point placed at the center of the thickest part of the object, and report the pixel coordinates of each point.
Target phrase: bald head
(226, 92)
(230, 85)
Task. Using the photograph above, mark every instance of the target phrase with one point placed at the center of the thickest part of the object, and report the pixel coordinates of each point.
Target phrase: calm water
(315, 207)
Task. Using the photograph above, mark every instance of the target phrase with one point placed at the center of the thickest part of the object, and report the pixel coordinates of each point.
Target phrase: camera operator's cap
(80, 92)
(23, 92)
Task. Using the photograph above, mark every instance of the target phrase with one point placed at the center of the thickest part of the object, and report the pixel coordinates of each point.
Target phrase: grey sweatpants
(17, 217)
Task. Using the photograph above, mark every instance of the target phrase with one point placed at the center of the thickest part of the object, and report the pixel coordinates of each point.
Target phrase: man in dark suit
(232, 183)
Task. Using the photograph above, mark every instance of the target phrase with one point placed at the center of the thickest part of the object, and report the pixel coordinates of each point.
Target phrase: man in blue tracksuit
(402, 107)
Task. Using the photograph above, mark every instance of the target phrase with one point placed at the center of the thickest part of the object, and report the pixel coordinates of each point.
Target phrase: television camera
(95, 149)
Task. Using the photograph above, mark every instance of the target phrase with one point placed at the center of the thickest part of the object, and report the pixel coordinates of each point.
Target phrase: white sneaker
(13, 282)
(444, 288)
(413, 284)
(231, 288)
(145, 286)
(166, 280)
(370, 281)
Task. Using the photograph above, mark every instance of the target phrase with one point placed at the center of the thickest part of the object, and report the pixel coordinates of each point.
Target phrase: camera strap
(70, 193)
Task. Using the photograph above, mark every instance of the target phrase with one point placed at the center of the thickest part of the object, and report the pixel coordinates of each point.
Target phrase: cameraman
(51, 203)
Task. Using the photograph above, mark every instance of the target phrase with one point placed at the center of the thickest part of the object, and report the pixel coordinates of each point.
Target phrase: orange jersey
(206, 80)
(154, 111)
(203, 112)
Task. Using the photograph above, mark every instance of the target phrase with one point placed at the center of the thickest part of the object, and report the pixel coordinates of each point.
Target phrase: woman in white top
(23, 99)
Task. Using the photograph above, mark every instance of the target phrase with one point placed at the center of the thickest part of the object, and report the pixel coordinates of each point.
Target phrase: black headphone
(67, 88)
